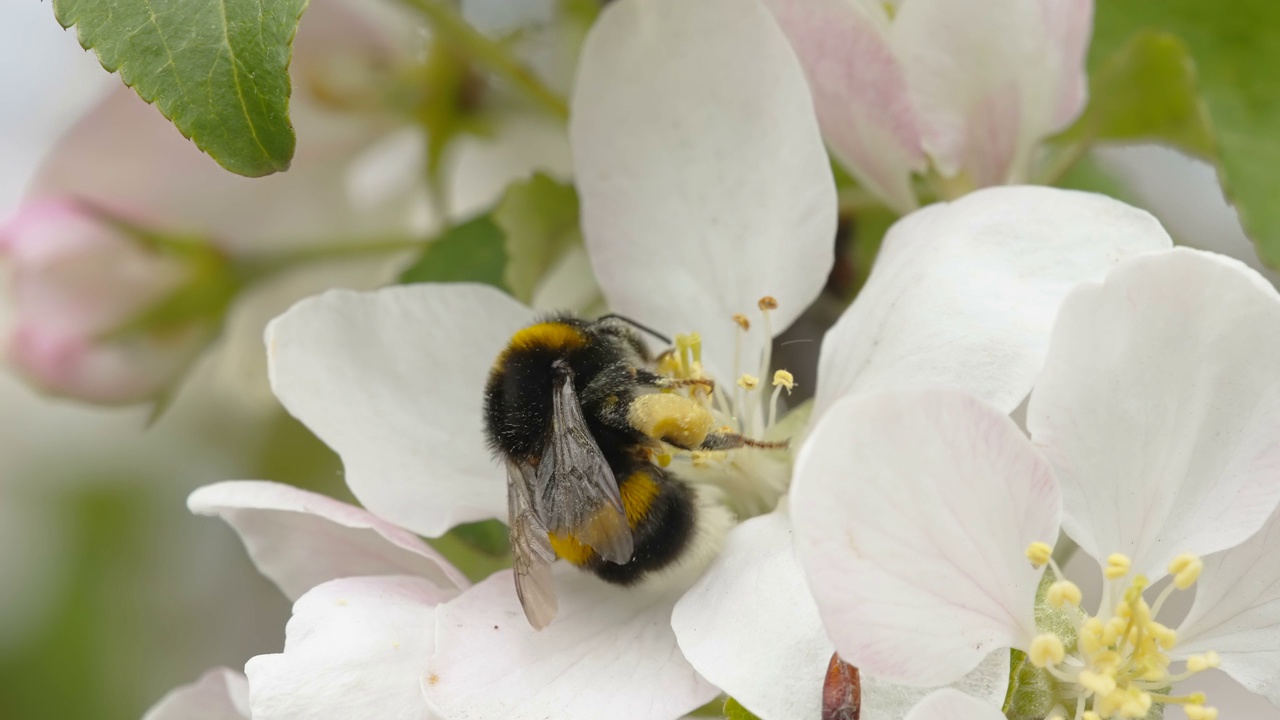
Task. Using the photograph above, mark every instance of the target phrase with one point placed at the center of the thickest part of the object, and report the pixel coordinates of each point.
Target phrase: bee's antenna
(636, 325)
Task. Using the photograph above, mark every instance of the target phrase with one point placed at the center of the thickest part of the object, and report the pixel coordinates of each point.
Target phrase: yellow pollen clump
(1063, 593)
(748, 382)
(1200, 712)
(1039, 553)
(1117, 566)
(1046, 649)
(1120, 662)
(742, 321)
(767, 303)
(1186, 570)
(784, 379)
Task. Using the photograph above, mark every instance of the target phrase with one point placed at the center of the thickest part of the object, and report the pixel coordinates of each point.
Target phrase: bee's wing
(577, 494)
(530, 548)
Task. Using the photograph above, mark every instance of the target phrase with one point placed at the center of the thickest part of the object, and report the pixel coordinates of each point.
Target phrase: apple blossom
(966, 88)
(686, 229)
(81, 282)
(1152, 445)
(219, 694)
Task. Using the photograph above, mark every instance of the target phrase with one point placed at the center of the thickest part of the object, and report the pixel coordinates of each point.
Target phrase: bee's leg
(652, 379)
(725, 440)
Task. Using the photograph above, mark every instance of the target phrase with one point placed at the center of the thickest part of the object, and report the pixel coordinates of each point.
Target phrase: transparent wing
(531, 551)
(576, 492)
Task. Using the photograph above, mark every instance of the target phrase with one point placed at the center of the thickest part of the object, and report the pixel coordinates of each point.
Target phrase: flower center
(1119, 665)
(751, 478)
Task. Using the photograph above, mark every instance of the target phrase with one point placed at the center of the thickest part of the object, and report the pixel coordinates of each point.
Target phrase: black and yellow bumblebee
(576, 412)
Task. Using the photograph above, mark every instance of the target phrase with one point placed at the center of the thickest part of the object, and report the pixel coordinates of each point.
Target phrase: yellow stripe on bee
(638, 492)
(672, 418)
(553, 336)
(568, 547)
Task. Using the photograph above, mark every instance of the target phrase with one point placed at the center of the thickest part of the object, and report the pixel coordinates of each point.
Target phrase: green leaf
(1032, 691)
(735, 711)
(539, 218)
(1236, 50)
(218, 69)
(1146, 90)
(470, 252)
(477, 549)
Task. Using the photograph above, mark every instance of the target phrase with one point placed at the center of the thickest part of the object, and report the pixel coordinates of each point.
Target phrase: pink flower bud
(75, 280)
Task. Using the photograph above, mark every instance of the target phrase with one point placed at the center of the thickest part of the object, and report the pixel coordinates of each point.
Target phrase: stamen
(766, 304)
(781, 379)
(742, 321)
(1200, 712)
(1186, 570)
(1039, 554)
(1200, 663)
(1117, 566)
(1046, 649)
(748, 382)
(1063, 593)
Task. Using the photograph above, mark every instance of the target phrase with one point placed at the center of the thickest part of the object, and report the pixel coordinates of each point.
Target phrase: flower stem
(490, 53)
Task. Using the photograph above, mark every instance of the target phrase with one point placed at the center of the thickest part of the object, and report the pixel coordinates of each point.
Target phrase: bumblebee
(574, 410)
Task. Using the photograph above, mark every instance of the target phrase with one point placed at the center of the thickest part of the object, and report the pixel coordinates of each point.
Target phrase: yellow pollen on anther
(1117, 566)
(1063, 593)
(1039, 553)
(748, 382)
(784, 379)
(1200, 663)
(1186, 570)
(1046, 649)
(767, 303)
(742, 321)
(1201, 712)
(1090, 715)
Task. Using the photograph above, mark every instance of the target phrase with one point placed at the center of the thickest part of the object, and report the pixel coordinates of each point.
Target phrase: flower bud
(80, 287)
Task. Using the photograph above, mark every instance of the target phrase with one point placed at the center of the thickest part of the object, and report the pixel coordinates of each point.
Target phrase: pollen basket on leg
(1120, 665)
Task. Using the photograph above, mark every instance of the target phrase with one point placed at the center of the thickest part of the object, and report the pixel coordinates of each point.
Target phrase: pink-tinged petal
(912, 513)
(990, 79)
(750, 627)
(219, 694)
(354, 650)
(703, 178)
(393, 380)
(964, 294)
(859, 91)
(125, 154)
(948, 704)
(609, 653)
(301, 539)
(1236, 612)
(1159, 410)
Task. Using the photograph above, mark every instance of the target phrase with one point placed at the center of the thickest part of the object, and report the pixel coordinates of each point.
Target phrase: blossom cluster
(1025, 368)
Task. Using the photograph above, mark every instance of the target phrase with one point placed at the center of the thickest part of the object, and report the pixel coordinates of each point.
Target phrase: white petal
(609, 653)
(859, 91)
(912, 513)
(751, 628)
(393, 380)
(219, 694)
(964, 294)
(300, 539)
(1158, 408)
(703, 178)
(991, 78)
(948, 704)
(354, 650)
(1237, 612)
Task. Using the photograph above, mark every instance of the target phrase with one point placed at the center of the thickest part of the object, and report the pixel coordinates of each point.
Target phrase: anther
(1186, 570)
(767, 303)
(742, 321)
(1046, 649)
(748, 382)
(1200, 712)
(1062, 593)
(1039, 553)
(1200, 663)
(782, 378)
(1117, 566)
(1096, 683)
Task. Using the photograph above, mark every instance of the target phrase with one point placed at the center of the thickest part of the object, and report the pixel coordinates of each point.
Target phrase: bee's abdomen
(662, 514)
